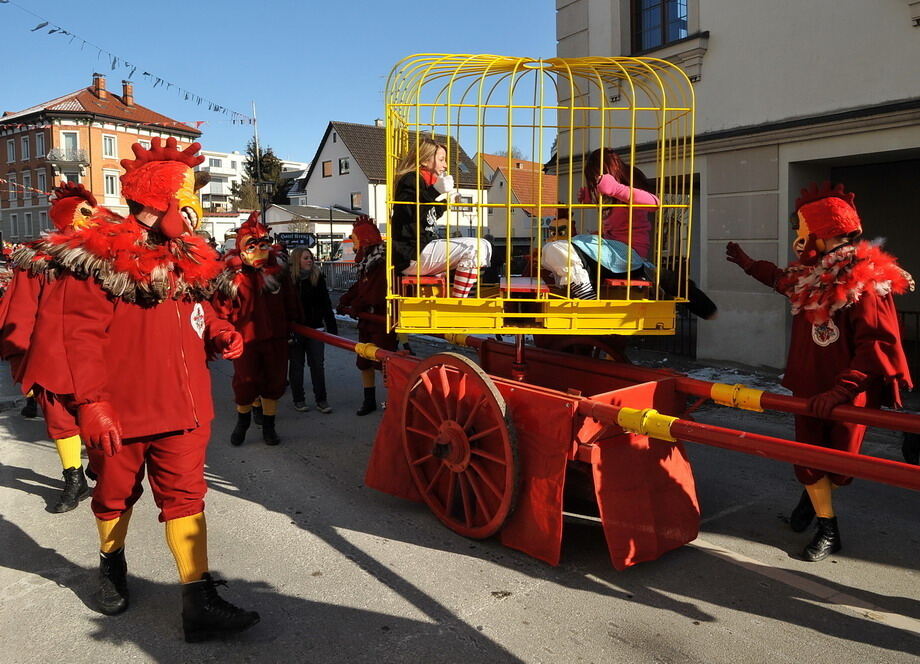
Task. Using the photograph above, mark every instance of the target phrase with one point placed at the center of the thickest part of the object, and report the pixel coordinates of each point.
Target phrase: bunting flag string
(21, 188)
(116, 62)
(123, 123)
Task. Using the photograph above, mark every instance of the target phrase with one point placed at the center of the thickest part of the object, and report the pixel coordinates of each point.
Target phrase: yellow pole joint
(646, 422)
(737, 396)
(367, 351)
(457, 339)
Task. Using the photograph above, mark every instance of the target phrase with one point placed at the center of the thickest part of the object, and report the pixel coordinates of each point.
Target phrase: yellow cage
(557, 110)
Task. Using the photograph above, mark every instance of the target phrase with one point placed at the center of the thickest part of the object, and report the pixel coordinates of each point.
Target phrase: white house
(348, 172)
(786, 93)
(330, 225)
(530, 194)
(226, 169)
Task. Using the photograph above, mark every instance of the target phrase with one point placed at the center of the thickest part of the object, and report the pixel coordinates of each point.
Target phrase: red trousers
(835, 435)
(261, 371)
(175, 470)
(59, 415)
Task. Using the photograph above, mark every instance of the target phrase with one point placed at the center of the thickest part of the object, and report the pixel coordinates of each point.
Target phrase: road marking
(840, 600)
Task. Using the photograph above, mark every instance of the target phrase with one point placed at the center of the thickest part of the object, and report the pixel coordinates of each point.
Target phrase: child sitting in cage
(421, 188)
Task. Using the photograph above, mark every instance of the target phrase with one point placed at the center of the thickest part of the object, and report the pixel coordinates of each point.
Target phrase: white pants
(565, 263)
(467, 254)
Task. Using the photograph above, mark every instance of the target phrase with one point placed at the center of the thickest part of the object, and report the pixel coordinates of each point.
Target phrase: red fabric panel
(387, 469)
(544, 430)
(645, 487)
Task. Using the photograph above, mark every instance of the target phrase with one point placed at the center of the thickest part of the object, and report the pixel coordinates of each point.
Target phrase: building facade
(79, 137)
(786, 93)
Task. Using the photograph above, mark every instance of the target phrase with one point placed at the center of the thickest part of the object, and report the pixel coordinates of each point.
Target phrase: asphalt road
(341, 573)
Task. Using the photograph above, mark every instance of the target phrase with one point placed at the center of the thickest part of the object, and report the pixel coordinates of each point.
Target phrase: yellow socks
(243, 409)
(257, 403)
(820, 495)
(187, 538)
(112, 533)
(367, 378)
(69, 451)
(269, 406)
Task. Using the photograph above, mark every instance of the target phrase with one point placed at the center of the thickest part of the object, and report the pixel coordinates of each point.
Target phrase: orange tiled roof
(84, 101)
(524, 181)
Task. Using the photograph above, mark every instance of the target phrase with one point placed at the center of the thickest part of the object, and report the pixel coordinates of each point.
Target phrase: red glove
(229, 344)
(345, 311)
(735, 254)
(99, 427)
(75, 190)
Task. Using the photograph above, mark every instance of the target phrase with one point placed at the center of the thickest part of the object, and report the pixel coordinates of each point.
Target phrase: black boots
(268, 430)
(75, 490)
(112, 595)
(826, 541)
(205, 615)
(370, 401)
(30, 410)
(802, 515)
(257, 415)
(243, 420)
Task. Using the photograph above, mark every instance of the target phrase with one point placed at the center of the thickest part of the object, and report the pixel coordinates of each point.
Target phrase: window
(13, 187)
(11, 151)
(658, 22)
(40, 182)
(233, 165)
(327, 169)
(334, 138)
(71, 143)
(356, 200)
(215, 163)
(344, 166)
(43, 221)
(111, 185)
(109, 146)
(464, 204)
(14, 225)
(71, 176)
(28, 224)
(26, 148)
(27, 185)
(40, 145)
(144, 144)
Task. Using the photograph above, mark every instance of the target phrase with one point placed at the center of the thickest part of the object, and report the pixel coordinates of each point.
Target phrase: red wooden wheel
(459, 442)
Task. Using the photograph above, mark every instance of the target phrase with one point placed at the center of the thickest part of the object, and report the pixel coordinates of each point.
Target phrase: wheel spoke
(485, 480)
(421, 460)
(467, 508)
(487, 456)
(434, 478)
(423, 411)
(486, 432)
(461, 392)
(445, 390)
(426, 434)
(429, 388)
(480, 500)
(473, 412)
(449, 503)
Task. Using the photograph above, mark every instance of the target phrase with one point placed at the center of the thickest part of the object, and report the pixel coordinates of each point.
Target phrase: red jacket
(148, 361)
(256, 313)
(18, 310)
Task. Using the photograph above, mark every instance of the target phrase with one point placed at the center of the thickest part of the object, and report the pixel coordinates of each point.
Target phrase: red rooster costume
(257, 297)
(846, 344)
(31, 289)
(134, 329)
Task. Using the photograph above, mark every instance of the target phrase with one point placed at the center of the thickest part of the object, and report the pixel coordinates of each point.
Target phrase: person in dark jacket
(310, 286)
(368, 295)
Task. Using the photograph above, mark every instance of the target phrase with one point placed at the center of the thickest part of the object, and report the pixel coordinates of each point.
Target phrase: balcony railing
(67, 156)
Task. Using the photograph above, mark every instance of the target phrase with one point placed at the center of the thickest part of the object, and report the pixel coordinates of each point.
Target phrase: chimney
(99, 86)
(127, 93)
(379, 122)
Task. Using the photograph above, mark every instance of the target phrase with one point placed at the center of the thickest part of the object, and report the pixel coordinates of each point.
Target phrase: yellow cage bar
(530, 126)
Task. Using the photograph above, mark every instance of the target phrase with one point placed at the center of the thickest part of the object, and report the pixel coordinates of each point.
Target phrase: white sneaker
(323, 407)
(301, 407)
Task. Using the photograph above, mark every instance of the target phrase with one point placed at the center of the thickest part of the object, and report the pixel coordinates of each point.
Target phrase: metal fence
(340, 275)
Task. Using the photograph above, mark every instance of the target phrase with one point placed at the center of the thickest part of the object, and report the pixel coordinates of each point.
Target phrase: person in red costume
(258, 298)
(137, 326)
(845, 346)
(34, 273)
(368, 295)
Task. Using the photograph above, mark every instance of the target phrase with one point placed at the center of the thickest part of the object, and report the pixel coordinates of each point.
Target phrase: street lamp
(264, 189)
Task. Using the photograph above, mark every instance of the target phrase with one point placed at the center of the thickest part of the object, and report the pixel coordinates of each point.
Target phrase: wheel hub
(452, 446)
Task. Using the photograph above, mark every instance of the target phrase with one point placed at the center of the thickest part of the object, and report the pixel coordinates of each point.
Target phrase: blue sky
(303, 62)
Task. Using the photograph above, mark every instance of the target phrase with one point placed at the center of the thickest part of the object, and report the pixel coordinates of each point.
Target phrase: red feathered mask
(366, 233)
(251, 228)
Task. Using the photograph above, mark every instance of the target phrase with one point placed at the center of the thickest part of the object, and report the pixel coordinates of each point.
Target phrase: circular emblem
(825, 334)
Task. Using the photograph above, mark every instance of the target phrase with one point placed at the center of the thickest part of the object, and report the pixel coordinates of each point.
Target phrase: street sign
(290, 240)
